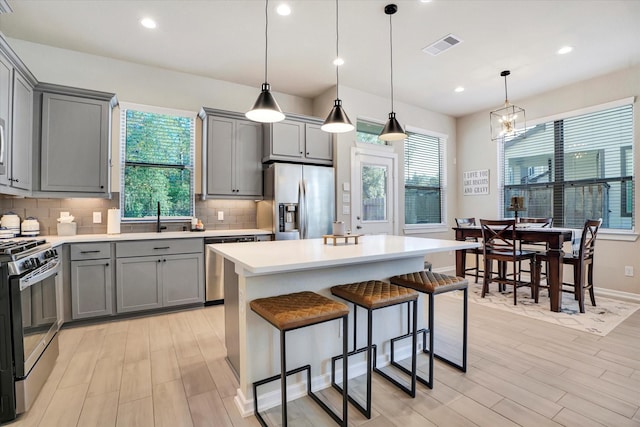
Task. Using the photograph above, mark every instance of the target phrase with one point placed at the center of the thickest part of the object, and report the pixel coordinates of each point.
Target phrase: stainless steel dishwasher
(214, 265)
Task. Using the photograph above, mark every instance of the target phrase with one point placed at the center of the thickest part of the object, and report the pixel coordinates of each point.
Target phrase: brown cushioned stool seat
(373, 295)
(298, 310)
(432, 284)
(294, 311)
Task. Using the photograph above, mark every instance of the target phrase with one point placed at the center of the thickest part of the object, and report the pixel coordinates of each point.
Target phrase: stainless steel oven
(29, 315)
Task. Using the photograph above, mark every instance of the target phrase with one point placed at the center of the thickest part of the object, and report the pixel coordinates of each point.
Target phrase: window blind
(422, 179)
(574, 168)
(158, 154)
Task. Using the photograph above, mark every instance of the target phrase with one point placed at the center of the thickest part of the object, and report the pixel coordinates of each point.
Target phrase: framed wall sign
(475, 183)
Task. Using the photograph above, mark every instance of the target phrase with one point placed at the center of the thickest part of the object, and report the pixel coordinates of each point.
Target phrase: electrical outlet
(628, 270)
(220, 215)
(97, 217)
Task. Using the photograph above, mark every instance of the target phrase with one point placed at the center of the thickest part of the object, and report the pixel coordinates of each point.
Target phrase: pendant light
(392, 130)
(266, 109)
(506, 121)
(337, 120)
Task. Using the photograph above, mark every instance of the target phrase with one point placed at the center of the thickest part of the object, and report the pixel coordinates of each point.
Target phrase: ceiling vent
(444, 44)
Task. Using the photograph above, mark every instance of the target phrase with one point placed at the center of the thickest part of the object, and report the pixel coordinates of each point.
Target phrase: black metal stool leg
(283, 377)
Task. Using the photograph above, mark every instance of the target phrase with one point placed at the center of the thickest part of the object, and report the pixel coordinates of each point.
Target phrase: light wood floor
(169, 370)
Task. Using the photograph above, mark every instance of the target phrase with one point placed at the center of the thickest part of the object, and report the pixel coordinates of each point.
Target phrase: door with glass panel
(374, 204)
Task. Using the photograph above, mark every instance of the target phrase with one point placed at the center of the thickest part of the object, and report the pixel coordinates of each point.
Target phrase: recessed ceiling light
(338, 62)
(459, 89)
(148, 23)
(565, 49)
(425, 1)
(284, 10)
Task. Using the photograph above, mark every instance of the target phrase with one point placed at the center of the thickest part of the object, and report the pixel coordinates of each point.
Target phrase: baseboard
(614, 294)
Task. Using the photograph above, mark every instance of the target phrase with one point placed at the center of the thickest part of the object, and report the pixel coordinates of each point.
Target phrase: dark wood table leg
(554, 275)
(461, 257)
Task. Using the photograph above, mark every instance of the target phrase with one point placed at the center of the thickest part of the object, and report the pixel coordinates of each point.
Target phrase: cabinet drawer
(159, 247)
(80, 251)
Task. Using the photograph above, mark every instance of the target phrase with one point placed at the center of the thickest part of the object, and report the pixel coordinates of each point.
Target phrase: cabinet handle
(301, 152)
(106, 265)
(164, 260)
(159, 261)
(16, 180)
(102, 186)
(162, 247)
(307, 153)
(89, 252)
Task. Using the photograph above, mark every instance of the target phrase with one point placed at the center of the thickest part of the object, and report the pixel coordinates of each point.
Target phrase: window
(423, 179)
(573, 169)
(157, 158)
(368, 132)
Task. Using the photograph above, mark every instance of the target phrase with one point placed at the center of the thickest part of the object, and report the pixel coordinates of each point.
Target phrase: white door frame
(382, 152)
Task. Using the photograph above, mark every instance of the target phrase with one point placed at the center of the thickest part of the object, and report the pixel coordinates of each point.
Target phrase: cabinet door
(248, 158)
(91, 289)
(318, 143)
(21, 142)
(220, 135)
(5, 114)
(287, 139)
(75, 132)
(138, 284)
(182, 280)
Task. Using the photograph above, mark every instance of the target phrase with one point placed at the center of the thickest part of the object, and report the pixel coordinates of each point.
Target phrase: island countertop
(294, 255)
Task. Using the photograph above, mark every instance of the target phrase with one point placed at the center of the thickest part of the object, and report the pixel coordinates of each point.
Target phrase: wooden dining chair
(582, 263)
(500, 244)
(476, 270)
(537, 247)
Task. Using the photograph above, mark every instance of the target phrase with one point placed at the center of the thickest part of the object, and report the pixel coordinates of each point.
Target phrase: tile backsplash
(238, 214)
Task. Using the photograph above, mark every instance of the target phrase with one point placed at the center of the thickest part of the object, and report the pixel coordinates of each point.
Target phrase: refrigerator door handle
(306, 214)
(301, 209)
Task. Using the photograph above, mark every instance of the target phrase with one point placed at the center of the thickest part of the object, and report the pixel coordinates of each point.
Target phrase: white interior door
(374, 202)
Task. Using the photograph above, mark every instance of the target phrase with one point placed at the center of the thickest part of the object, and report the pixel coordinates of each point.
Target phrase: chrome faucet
(159, 228)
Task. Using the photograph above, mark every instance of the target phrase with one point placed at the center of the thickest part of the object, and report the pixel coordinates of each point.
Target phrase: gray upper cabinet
(6, 102)
(74, 128)
(22, 134)
(232, 155)
(16, 109)
(298, 139)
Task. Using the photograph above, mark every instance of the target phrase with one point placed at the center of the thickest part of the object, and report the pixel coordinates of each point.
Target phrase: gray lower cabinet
(163, 273)
(91, 292)
(138, 285)
(91, 280)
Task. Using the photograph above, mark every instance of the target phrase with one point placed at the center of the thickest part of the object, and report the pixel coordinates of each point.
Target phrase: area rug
(599, 320)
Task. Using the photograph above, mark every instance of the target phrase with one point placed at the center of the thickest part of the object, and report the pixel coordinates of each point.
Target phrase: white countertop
(293, 255)
(84, 238)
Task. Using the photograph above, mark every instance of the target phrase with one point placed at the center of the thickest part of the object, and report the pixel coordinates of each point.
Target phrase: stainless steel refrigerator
(299, 201)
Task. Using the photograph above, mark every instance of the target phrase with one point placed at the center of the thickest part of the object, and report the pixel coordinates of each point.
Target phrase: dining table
(554, 238)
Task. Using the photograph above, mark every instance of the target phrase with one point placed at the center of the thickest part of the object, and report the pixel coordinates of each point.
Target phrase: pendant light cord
(506, 97)
(337, 54)
(266, 38)
(391, 49)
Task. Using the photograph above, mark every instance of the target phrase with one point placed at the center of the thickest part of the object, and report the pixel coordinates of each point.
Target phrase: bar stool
(433, 284)
(294, 311)
(373, 295)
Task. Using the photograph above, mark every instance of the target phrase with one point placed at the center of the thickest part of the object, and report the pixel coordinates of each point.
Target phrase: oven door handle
(38, 276)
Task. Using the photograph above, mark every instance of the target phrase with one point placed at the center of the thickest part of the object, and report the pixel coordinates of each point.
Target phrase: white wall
(477, 151)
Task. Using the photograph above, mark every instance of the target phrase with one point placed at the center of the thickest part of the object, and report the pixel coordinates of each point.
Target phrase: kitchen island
(257, 270)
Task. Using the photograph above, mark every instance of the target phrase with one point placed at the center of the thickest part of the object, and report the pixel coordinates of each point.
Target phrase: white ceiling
(224, 39)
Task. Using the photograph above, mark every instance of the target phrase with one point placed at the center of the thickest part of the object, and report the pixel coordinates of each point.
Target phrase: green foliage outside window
(158, 165)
